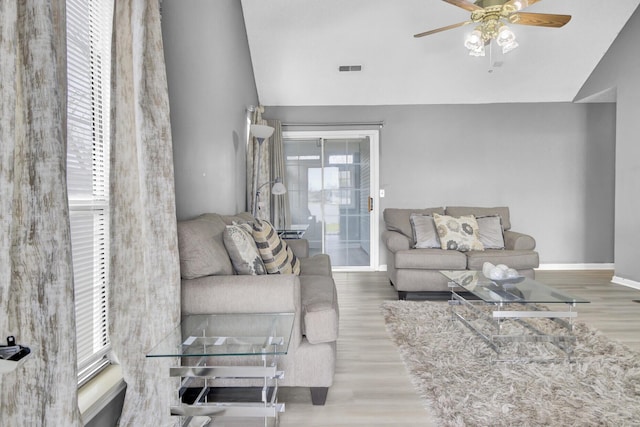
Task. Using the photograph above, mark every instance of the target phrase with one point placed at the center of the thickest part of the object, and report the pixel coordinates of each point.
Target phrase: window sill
(97, 393)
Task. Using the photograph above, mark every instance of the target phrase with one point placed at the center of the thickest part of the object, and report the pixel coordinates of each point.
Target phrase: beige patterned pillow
(277, 256)
(458, 233)
(242, 249)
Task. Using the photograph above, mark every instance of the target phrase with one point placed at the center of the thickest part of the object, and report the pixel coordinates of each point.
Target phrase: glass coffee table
(484, 305)
(218, 351)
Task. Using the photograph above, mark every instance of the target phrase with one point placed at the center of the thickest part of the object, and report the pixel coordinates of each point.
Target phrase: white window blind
(89, 24)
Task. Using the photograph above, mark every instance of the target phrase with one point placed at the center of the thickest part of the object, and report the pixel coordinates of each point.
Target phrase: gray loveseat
(210, 285)
(413, 269)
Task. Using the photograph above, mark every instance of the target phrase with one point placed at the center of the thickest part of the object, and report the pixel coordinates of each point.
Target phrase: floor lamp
(277, 189)
(259, 132)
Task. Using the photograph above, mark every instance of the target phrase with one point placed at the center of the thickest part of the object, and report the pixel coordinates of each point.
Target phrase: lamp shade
(278, 188)
(261, 131)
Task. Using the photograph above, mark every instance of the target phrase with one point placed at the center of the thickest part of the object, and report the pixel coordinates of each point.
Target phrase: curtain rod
(381, 124)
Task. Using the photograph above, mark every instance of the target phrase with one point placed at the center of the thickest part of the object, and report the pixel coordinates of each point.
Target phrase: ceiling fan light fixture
(509, 46)
(490, 17)
(474, 41)
(477, 52)
(517, 5)
(506, 39)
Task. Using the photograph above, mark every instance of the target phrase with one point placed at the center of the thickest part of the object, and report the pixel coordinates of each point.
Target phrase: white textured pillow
(242, 250)
(424, 231)
(490, 231)
(458, 233)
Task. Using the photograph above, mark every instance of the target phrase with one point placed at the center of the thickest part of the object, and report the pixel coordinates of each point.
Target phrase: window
(88, 90)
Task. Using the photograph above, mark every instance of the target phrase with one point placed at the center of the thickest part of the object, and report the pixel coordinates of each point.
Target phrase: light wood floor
(372, 387)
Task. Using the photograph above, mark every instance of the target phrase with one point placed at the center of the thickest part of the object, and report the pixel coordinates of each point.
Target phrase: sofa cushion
(424, 231)
(430, 259)
(300, 247)
(491, 234)
(458, 233)
(319, 309)
(242, 249)
(520, 260)
(201, 247)
(475, 211)
(398, 219)
(239, 218)
(278, 258)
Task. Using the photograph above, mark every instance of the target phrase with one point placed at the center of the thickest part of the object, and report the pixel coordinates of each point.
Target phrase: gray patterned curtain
(145, 269)
(36, 277)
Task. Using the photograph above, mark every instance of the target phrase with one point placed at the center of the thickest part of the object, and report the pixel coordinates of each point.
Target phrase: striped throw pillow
(277, 256)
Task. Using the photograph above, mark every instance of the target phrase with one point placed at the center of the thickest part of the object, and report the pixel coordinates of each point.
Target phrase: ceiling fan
(491, 15)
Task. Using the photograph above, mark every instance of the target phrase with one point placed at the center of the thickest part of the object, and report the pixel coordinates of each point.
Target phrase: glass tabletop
(520, 289)
(295, 231)
(228, 335)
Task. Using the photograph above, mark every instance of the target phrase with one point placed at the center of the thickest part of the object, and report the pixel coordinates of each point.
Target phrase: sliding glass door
(330, 192)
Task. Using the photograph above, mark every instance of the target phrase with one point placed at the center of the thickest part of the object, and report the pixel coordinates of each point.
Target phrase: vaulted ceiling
(297, 47)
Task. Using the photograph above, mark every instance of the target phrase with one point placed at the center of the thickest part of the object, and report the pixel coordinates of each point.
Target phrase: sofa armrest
(395, 241)
(317, 265)
(518, 241)
(241, 294)
(300, 247)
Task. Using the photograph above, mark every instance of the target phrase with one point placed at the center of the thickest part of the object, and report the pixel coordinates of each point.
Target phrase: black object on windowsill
(12, 354)
(13, 351)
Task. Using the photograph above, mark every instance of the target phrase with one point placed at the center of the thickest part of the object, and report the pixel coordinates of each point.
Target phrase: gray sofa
(417, 270)
(210, 285)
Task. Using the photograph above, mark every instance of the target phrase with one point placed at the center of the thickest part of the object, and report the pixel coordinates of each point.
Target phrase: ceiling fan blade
(437, 30)
(464, 4)
(539, 19)
(521, 4)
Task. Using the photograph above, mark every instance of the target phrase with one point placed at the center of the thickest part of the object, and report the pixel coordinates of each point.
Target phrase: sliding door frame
(374, 184)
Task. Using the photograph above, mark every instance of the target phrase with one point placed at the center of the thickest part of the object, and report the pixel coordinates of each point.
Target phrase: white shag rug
(451, 368)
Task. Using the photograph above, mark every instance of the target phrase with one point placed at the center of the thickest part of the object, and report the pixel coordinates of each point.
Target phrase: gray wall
(557, 161)
(211, 83)
(620, 69)
(552, 164)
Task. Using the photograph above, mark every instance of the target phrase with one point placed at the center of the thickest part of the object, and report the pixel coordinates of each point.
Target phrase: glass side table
(217, 351)
(296, 231)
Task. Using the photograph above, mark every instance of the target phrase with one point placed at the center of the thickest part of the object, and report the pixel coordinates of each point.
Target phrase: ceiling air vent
(350, 68)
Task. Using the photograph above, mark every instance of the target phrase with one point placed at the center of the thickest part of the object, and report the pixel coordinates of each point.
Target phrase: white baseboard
(599, 266)
(625, 282)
